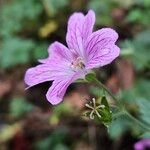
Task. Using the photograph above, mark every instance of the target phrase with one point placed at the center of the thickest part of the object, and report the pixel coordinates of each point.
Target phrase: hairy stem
(101, 85)
(142, 125)
(123, 111)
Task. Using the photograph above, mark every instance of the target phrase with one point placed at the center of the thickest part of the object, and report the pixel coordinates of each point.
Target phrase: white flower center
(78, 64)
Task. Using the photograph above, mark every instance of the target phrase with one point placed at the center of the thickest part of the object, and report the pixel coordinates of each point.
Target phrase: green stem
(142, 125)
(123, 111)
(105, 88)
(117, 115)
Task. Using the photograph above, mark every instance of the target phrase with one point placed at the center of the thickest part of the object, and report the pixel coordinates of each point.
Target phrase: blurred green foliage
(59, 112)
(15, 51)
(139, 50)
(138, 98)
(106, 112)
(19, 106)
(53, 6)
(19, 23)
(118, 127)
(54, 142)
(144, 109)
(140, 89)
(19, 15)
(102, 9)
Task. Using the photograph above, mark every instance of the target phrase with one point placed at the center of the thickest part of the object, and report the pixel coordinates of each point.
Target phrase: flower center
(78, 64)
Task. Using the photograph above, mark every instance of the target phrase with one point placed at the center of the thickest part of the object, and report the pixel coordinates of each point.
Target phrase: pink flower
(142, 144)
(86, 50)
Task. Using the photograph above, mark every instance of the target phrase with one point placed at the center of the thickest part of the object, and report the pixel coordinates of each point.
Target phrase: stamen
(78, 64)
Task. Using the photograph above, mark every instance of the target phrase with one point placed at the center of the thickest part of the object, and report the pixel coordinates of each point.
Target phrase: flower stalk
(141, 124)
(121, 108)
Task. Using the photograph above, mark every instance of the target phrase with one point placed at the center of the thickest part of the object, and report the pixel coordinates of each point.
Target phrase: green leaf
(62, 109)
(54, 141)
(60, 147)
(118, 127)
(144, 107)
(138, 48)
(137, 15)
(102, 8)
(106, 115)
(80, 81)
(96, 91)
(15, 51)
(89, 77)
(19, 106)
(59, 111)
(54, 6)
(105, 103)
(43, 144)
(15, 16)
(40, 51)
(146, 135)
(140, 89)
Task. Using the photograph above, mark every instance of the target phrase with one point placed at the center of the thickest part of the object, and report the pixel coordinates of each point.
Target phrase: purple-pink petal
(79, 28)
(88, 24)
(109, 53)
(100, 48)
(99, 39)
(57, 91)
(142, 144)
(74, 30)
(56, 65)
(38, 74)
(58, 52)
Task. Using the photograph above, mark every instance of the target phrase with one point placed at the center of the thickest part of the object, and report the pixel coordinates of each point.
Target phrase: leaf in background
(137, 95)
(137, 13)
(139, 50)
(146, 135)
(146, 3)
(140, 89)
(138, 16)
(118, 127)
(19, 106)
(40, 51)
(15, 51)
(54, 6)
(142, 38)
(43, 144)
(125, 4)
(60, 111)
(105, 112)
(17, 14)
(54, 141)
(144, 107)
(97, 92)
(127, 49)
(60, 147)
(103, 9)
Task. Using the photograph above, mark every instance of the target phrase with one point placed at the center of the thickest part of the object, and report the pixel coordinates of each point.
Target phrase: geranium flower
(142, 144)
(86, 50)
